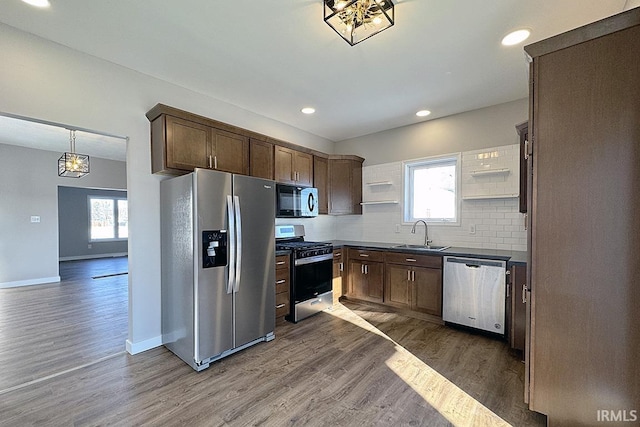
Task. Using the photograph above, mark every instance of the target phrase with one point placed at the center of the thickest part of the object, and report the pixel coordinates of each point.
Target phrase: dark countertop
(513, 257)
(283, 252)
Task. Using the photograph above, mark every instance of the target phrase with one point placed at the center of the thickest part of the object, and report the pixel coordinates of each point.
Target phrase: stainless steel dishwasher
(474, 293)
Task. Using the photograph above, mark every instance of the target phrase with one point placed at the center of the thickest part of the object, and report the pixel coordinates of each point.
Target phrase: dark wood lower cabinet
(366, 280)
(427, 290)
(517, 308)
(282, 286)
(397, 290)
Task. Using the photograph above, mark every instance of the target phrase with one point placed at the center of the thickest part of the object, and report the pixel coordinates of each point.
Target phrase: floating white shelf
(490, 196)
(372, 184)
(380, 202)
(502, 171)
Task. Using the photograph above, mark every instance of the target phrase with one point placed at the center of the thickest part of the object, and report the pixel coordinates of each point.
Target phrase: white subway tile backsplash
(498, 224)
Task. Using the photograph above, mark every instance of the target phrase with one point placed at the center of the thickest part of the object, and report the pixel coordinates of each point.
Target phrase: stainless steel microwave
(293, 201)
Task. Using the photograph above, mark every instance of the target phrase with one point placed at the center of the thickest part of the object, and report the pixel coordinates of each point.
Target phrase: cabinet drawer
(282, 304)
(366, 255)
(282, 262)
(282, 281)
(337, 255)
(433, 261)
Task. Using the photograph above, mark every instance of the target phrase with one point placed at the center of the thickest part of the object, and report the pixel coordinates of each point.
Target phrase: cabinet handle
(408, 275)
(215, 162)
(280, 263)
(364, 255)
(210, 165)
(341, 266)
(508, 289)
(410, 260)
(280, 305)
(366, 269)
(362, 268)
(413, 276)
(279, 282)
(337, 254)
(524, 293)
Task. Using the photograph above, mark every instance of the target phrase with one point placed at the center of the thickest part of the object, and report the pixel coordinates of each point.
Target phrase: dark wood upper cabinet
(345, 185)
(178, 145)
(523, 134)
(261, 163)
(321, 182)
(293, 166)
(230, 152)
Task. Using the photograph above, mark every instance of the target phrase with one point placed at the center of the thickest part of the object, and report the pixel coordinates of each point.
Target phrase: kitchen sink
(422, 247)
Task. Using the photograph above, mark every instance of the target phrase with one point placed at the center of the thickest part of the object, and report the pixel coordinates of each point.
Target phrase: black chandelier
(357, 20)
(72, 164)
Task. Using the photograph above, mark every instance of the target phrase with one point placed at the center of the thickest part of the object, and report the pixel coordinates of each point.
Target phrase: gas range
(304, 249)
(311, 272)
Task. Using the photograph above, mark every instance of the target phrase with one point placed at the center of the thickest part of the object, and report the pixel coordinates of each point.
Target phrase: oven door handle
(312, 259)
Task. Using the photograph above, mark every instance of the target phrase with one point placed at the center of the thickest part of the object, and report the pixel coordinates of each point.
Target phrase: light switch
(35, 218)
(472, 229)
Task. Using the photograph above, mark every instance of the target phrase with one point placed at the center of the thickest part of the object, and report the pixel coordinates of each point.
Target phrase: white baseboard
(139, 347)
(80, 257)
(30, 282)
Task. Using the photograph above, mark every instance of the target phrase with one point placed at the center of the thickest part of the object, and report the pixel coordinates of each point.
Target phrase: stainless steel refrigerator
(218, 264)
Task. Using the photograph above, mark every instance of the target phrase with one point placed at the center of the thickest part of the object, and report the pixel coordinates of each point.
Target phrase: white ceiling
(273, 57)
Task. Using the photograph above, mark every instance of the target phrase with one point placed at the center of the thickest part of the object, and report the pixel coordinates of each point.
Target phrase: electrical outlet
(35, 218)
(89, 246)
(472, 229)
(397, 228)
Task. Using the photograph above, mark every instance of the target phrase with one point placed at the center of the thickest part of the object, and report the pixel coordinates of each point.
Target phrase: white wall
(486, 127)
(29, 187)
(47, 81)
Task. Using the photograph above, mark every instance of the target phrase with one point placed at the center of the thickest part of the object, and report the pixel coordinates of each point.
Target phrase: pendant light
(72, 164)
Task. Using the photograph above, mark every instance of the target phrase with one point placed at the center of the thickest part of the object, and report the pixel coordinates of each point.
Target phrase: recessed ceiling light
(38, 3)
(515, 37)
(423, 113)
(308, 110)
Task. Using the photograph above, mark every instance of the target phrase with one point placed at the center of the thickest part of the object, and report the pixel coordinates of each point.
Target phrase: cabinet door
(187, 144)
(427, 290)
(397, 286)
(345, 187)
(230, 152)
(357, 281)
(375, 281)
(261, 159)
(284, 165)
(303, 168)
(320, 181)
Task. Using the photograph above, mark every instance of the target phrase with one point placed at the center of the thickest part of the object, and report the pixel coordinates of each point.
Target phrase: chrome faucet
(427, 242)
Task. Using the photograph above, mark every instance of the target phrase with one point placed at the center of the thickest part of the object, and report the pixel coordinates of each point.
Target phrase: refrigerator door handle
(236, 205)
(232, 245)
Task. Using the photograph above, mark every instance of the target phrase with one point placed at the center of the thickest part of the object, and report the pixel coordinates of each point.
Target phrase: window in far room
(431, 189)
(108, 218)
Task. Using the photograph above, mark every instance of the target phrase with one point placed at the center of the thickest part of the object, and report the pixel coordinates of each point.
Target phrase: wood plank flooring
(348, 366)
(46, 329)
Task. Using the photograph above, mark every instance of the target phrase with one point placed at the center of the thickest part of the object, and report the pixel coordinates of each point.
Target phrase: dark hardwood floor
(350, 365)
(51, 328)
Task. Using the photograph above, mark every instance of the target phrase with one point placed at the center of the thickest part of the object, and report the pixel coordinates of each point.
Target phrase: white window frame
(407, 205)
(115, 217)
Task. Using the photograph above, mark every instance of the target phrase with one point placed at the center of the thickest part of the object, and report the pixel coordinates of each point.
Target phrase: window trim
(115, 216)
(407, 165)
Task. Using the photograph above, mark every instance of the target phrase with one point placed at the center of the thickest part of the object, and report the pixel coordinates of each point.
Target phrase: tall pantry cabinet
(584, 229)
